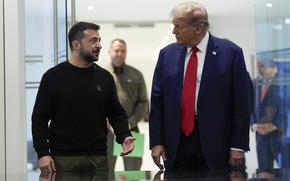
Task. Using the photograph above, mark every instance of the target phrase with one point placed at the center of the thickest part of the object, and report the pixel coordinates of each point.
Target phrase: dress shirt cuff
(254, 127)
(237, 149)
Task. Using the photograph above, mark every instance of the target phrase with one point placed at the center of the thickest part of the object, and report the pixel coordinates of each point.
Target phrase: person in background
(200, 111)
(132, 93)
(268, 120)
(74, 100)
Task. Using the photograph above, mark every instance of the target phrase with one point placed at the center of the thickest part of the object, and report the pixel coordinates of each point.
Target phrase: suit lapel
(211, 56)
(180, 57)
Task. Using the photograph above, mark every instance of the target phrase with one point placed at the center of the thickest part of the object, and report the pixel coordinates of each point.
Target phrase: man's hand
(265, 128)
(128, 145)
(156, 152)
(265, 175)
(47, 176)
(46, 164)
(157, 176)
(238, 175)
(237, 159)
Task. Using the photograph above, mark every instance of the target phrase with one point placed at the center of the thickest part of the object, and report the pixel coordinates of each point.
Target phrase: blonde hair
(196, 12)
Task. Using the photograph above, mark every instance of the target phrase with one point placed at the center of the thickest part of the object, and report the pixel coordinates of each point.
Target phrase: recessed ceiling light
(91, 7)
(269, 5)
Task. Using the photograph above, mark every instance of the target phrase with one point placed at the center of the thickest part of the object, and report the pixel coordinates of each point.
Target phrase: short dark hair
(77, 31)
(119, 40)
(266, 62)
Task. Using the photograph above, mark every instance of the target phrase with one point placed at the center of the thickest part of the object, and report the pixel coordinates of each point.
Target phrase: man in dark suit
(200, 111)
(269, 120)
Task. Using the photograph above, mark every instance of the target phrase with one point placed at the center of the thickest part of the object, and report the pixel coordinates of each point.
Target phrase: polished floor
(275, 174)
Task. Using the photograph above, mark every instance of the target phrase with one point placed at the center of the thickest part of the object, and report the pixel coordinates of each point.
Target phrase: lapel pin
(214, 52)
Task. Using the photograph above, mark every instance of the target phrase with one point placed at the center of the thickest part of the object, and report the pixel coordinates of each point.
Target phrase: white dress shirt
(202, 47)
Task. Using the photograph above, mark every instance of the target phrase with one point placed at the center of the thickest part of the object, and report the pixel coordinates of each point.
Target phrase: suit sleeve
(242, 101)
(269, 106)
(255, 103)
(156, 108)
(273, 111)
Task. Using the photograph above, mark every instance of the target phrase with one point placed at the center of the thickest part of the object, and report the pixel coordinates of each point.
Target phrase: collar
(118, 70)
(202, 44)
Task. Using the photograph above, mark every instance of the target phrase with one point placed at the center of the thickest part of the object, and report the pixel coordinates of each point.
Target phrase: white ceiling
(152, 10)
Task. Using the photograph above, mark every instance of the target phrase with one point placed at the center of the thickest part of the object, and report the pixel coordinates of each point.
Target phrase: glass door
(273, 83)
(46, 46)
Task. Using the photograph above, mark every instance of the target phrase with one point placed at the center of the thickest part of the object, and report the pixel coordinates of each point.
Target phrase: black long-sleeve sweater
(77, 102)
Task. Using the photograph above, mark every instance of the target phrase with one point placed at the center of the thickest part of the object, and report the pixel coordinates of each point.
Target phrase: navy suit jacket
(273, 100)
(223, 107)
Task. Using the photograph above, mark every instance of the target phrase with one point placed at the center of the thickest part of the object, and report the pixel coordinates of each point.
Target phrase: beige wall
(14, 87)
(12, 92)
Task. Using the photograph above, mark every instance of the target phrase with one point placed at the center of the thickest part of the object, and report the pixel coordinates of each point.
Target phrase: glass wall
(46, 46)
(272, 84)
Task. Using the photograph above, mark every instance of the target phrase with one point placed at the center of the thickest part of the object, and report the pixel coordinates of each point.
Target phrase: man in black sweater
(74, 100)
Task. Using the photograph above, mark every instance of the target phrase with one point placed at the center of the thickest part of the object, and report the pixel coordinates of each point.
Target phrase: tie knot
(194, 49)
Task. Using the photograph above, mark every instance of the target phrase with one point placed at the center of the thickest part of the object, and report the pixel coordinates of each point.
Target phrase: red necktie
(188, 94)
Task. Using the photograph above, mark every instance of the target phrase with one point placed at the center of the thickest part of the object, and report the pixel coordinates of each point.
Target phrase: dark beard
(87, 57)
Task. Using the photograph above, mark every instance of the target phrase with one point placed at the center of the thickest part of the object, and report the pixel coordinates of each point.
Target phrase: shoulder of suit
(224, 42)
(172, 46)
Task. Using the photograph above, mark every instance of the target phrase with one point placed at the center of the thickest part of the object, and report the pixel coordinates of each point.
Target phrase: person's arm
(242, 109)
(255, 111)
(242, 101)
(267, 123)
(156, 108)
(141, 106)
(156, 115)
(273, 111)
(40, 118)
